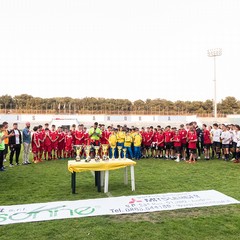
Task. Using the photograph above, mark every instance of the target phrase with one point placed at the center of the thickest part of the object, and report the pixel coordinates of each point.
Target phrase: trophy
(119, 152)
(78, 149)
(97, 157)
(113, 153)
(87, 150)
(105, 148)
(124, 153)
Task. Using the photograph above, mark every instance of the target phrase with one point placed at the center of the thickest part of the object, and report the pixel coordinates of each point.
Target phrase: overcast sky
(134, 49)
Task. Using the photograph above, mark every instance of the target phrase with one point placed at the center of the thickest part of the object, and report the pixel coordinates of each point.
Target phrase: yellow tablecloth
(74, 166)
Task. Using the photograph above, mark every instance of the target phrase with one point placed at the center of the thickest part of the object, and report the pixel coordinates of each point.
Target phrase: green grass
(50, 181)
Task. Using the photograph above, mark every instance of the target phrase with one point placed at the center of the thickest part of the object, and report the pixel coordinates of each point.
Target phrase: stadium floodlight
(215, 52)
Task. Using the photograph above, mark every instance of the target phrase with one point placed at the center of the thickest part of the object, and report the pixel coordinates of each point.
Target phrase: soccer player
(120, 139)
(206, 141)
(61, 143)
(226, 139)
(113, 143)
(168, 144)
(54, 137)
(177, 144)
(147, 142)
(36, 145)
(41, 136)
(216, 145)
(47, 145)
(237, 160)
(154, 147)
(137, 145)
(160, 143)
(68, 145)
(183, 133)
(128, 143)
(192, 145)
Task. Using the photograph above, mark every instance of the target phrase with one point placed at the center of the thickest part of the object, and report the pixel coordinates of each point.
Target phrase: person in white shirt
(226, 140)
(216, 145)
(237, 160)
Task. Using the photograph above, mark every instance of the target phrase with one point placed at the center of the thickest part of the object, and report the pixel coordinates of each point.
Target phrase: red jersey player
(61, 143)
(68, 145)
(47, 145)
(177, 144)
(54, 137)
(192, 145)
(35, 145)
(207, 142)
(183, 132)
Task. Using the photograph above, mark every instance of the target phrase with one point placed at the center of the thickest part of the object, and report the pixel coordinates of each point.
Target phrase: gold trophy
(105, 148)
(78, 149)
(97, 157)
(119, 152)
(87, 149)
(113, 153)
(124, 153)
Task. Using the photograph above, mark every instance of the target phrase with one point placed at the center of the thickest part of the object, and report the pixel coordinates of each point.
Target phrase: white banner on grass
(111, 206)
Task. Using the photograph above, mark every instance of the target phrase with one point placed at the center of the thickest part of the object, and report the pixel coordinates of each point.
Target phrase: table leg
(102, 178)
(73, 182)
(125, 176)
(106, 181)
(132, 178)
(98, 180)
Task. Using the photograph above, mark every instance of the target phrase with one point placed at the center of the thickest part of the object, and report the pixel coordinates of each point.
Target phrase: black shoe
(2, 169)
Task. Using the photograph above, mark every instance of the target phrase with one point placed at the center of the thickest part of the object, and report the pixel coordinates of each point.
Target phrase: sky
(128, 49)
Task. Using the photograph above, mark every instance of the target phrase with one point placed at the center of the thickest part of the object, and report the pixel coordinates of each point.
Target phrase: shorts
(234, 145)
(169, 145)
(48, 148)
(216, 145)
(184, 145)
(177, 149)
(160, 147)
(35, 150)
(192, 150)
(207, 145)
(55, 146)
(68, 148)
(147, 147)
(225, 145)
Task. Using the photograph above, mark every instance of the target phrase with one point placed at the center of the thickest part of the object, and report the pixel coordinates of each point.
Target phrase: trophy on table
(105, 148)
(87, 150)
(124, 153)
(113, 153)
(119, 152)
(97, 157)
(78, 149)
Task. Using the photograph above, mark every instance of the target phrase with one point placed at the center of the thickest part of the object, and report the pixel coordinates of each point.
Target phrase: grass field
(50, 181)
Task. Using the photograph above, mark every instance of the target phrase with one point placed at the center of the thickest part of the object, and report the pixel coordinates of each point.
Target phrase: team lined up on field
(187, 142)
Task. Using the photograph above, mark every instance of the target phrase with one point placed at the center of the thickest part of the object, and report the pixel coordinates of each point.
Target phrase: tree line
(25, 103)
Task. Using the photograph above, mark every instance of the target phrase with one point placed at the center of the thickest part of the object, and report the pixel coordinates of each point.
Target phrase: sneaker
(236, 161)
(5, 160)
(199, 158)
(11, 165)
(29, 163)
(17, 164)
(2, 169)
(24, 163)
(177, 160)
(233, 159)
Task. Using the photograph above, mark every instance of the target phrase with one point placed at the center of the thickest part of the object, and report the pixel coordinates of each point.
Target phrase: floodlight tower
(216, 52)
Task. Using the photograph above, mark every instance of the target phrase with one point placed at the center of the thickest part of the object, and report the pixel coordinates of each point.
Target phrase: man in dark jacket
(15, 144)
